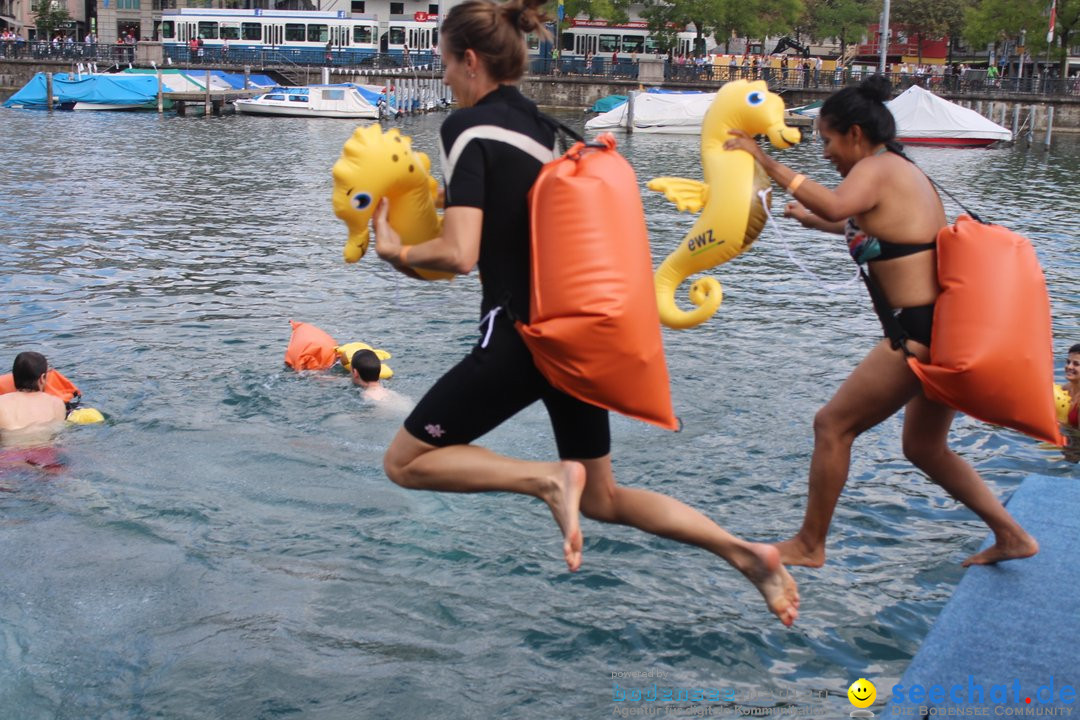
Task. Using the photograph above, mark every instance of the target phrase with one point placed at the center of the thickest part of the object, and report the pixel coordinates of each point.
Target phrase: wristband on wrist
(795, 183)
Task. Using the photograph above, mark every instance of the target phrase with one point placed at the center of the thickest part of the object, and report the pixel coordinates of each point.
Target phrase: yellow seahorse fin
(688, 195)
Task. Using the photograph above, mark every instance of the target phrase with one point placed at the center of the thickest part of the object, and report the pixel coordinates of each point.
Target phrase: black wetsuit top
(491, 155)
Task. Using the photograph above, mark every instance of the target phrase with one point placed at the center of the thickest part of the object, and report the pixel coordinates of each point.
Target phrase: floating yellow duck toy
(732, 214)
(373, 165)
(346, 351)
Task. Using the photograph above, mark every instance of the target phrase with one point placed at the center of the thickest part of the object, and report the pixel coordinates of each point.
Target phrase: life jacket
(991, 349)
(55, 384)
(310, 348)
(594, 328)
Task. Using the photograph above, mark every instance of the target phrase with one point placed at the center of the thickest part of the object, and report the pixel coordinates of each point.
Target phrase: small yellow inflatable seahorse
(1062, 402)
(346, 351)
(732, 215)
(373, 165)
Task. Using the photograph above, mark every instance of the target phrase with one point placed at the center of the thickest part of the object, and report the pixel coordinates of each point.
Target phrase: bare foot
(797, 552)
(1005, 549)
(773, 581)
(564, 499)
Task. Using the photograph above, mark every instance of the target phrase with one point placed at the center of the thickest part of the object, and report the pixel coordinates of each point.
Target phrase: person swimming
(29, 417)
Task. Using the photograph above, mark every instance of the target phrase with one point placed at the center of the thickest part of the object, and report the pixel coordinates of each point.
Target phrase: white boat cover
(920, 113)
(680, 113)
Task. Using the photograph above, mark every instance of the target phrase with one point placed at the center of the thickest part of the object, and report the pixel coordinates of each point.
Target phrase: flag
(1053, 12)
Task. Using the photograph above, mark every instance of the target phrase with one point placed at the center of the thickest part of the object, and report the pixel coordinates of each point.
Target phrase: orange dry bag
(55, 384)
(594, 330)
(991, 349)
(309, 348)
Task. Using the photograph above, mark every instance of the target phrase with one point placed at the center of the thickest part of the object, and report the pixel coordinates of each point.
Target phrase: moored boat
(923, 118)
(344, 100)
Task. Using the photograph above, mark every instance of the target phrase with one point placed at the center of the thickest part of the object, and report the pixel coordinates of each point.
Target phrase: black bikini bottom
(917, 322)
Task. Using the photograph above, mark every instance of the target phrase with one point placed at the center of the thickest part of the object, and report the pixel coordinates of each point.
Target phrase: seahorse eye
(361, 201)
(755, 98)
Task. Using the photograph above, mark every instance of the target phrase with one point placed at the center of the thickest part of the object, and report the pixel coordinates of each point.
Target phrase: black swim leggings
(493, 383)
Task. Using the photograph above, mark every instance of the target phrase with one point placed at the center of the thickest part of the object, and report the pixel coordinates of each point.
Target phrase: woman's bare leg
(661, 515)
(879, 386)
(926, 427)
(415, 464)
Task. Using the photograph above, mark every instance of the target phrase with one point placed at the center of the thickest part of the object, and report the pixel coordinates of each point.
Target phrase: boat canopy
(117, 89)
(679, 113)
(920, 114)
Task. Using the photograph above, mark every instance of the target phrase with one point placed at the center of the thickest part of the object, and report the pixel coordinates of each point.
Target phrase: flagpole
(1050, 38)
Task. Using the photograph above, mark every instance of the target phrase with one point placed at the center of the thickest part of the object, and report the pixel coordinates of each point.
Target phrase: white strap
(763, 195)
(490, 320)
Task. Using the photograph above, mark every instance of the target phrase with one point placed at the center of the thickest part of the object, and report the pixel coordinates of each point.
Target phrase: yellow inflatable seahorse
(346, 351)
(1062, 402)
(373, 165)
(732, 215)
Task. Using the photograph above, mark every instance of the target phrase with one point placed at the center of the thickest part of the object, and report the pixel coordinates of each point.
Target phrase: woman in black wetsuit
(891, 215)
(492, 149)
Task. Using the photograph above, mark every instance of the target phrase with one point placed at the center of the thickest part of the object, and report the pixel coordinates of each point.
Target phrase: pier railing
(690, 73)
(598, 69)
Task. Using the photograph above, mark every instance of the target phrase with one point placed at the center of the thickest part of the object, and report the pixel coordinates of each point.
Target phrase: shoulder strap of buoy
(897, 148)
(562, 131)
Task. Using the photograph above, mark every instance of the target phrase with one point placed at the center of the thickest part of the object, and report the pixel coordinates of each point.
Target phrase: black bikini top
(867, 248)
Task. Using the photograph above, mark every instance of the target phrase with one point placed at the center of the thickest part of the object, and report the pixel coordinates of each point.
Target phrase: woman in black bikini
(888, 210)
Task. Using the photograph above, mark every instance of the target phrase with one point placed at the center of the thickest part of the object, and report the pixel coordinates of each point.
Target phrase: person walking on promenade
(493, 148)
(890, 215)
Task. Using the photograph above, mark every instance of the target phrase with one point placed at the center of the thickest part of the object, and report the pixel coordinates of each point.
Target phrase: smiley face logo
(862, 693)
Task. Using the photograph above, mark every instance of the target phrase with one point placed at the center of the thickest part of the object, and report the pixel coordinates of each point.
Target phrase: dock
(212, 101)
(1008, 641)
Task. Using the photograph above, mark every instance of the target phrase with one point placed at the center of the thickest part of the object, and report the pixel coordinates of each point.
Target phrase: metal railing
(798, 78)
(599, 69)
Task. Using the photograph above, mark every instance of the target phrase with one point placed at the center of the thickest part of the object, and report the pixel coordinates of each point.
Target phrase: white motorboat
(330, 101)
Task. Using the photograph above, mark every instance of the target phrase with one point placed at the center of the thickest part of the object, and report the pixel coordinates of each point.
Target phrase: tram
(300, 36)
(597, 38)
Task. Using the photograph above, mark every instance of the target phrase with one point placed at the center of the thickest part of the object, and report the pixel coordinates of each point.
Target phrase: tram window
(397, 35)
(362, 34)
(358, 6)
(633, 43)
(609, 43)
(397, 8)
(318, 33)
(168, 29)
(208, 30)
(251, 31)
(435, 38)
(568, 42)
(532, 41)
(651, 46)
(230, 32)
(294, 32)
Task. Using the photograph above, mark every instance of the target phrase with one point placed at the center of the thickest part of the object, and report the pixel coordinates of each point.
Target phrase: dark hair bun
(876, 87)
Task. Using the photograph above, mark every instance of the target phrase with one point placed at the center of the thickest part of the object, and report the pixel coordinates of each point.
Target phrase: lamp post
(560, 13)
(884, 29)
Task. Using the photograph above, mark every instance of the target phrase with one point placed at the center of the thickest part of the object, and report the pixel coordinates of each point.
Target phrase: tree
(928, 19)
(615, 12)
(721, 19)
(49, 15)
(844, 20)
(992, 21)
